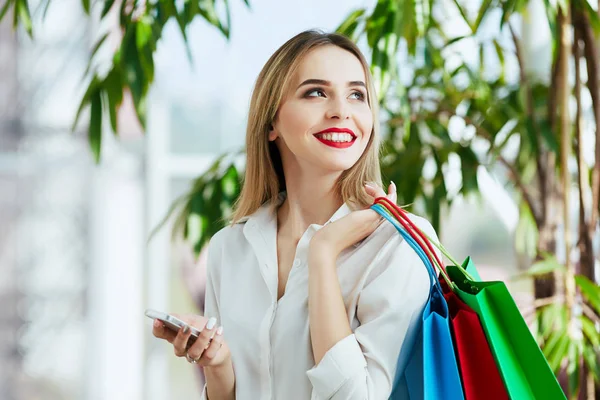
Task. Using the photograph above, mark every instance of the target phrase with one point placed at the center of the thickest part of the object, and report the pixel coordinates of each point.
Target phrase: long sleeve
(211, 298)
(364, 365)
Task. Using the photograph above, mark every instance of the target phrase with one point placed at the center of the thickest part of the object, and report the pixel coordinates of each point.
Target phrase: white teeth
(336, 137)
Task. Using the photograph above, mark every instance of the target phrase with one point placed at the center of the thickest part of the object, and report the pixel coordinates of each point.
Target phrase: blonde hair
(264, 177)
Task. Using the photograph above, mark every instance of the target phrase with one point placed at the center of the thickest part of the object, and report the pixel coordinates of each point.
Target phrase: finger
(203, 341)
(162, 332)
(393, 192)
(215, 346)
(180, 341)
(374, 190)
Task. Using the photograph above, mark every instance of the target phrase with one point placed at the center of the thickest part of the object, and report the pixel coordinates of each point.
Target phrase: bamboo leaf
(590, 332)
(464, 15)
(485, 6)
(590, 291)
(25, 16)
(455, 40)
(4, 8)
(590, 356)
(95, 132)
(108, 4)
(113, 85)
(92, 87)
(500, 54)
(559, 352)
(541, 268)
(573, 370)
(349, 25)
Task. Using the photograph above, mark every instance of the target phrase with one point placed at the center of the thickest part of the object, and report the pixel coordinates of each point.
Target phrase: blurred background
(489, 110)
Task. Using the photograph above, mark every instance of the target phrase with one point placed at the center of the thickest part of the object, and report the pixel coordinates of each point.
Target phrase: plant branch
(531, 114)
(592, 62)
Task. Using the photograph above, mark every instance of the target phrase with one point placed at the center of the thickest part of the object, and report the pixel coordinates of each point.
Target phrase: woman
(313, 295)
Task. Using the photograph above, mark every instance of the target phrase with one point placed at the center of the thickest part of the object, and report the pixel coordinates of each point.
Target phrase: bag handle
(385, 213)
(399, 213)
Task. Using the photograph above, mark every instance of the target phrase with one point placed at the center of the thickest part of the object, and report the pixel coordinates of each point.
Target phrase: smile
(340, 138)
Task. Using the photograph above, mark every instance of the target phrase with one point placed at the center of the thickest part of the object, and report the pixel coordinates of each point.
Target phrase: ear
(272, 134)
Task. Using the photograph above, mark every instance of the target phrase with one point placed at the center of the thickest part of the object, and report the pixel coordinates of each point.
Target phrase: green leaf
(4, 8)
(464, 15)
(590, 356)
(349, 25)
(590, 291)
(500, 54)
(485, 6)
(455, 40)
(143, 34)
(526, 234)
(590, 332)
(559, 352)
(573, 371)
(98, 45)
(108, 4)
(113, 85)
(541, 268)
(86, 6)
(592, 15)
(95, 132)
(25, 16)
(92, 88)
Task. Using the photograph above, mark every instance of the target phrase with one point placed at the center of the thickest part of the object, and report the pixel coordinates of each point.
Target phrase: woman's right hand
(203, 352)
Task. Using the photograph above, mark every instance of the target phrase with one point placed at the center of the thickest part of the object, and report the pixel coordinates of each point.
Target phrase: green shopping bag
(525, 371)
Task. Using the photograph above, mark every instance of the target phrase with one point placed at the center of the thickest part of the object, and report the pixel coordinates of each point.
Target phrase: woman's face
(324, 120)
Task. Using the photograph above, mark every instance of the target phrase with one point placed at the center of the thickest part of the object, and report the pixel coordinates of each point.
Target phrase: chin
(339, 166)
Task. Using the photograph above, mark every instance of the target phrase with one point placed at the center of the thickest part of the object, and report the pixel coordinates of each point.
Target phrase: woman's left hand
(346, 231)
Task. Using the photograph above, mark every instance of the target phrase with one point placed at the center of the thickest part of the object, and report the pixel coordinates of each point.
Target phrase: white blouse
(384, 284)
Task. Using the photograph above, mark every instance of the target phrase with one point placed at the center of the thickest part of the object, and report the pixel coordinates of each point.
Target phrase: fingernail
(211, 323)
(220, 330)
(393, 184)
(186, 329)
(369, 186)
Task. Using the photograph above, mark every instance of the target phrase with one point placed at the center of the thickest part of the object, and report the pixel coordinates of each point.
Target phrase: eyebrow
(328, 83)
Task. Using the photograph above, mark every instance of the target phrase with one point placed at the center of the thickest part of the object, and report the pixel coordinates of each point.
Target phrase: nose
(338, 109)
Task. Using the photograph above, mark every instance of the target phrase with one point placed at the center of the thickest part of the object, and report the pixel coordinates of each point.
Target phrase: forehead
(330, 63)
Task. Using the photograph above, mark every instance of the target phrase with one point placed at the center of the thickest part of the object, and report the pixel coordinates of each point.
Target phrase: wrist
(319, 253)
(220, 369)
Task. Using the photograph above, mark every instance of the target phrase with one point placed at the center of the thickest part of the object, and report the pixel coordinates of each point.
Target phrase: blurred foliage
(131, 70)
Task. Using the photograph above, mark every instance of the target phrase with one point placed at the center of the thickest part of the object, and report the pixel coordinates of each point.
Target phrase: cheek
(365, 121)
(293, 118)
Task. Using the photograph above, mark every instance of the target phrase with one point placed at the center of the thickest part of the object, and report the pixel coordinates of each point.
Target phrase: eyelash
(361, 96)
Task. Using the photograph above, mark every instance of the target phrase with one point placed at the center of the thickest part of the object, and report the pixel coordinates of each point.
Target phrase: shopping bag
(522, 365)
(479, 373)
(431, 372)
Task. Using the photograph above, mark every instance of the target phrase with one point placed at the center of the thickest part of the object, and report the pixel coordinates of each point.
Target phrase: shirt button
(297, 262)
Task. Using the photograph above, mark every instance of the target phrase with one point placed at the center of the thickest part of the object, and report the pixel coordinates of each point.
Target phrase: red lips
(338, 145)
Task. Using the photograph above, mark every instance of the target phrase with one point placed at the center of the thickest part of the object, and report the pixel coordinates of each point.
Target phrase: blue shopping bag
(431, 372)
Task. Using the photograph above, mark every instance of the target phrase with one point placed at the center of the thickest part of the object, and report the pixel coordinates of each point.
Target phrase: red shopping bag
(479, 374)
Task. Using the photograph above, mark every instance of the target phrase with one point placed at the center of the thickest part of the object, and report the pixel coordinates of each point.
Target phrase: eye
(320, 93)
(358, 95)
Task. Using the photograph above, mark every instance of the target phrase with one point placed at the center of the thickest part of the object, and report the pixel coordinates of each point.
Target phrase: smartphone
(174, 324)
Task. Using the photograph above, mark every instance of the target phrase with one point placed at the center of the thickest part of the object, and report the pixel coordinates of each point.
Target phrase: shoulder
(229, 235)
(397, 259)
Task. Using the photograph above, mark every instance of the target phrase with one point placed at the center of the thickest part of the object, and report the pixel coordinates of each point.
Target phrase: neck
(307, 203)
